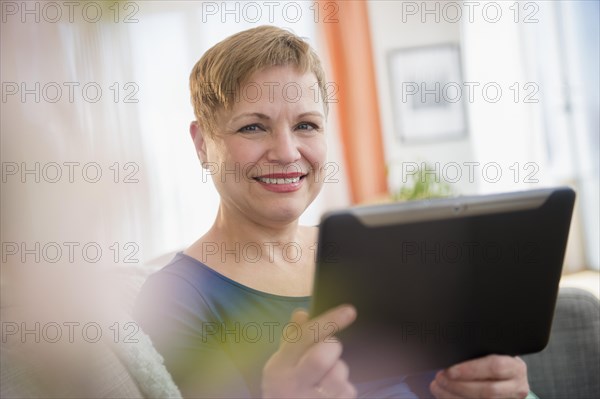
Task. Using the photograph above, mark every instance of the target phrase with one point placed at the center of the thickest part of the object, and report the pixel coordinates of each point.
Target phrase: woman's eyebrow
(263, 116)
(248, 114)
(311, 113)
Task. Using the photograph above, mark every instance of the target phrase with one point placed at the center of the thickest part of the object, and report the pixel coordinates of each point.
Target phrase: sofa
(67, 332)
(570, 365)
(107, 367)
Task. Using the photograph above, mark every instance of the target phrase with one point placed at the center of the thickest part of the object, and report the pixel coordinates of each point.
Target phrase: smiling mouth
(281, 178)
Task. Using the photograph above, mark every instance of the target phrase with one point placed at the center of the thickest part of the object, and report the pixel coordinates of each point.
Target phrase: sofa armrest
(569, 366)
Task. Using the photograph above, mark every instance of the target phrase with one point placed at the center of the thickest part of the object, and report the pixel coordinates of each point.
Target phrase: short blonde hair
(225, 67)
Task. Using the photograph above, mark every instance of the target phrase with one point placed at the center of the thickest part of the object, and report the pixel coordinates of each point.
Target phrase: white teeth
(278, 181)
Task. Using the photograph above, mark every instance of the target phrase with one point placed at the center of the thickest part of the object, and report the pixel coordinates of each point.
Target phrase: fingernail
(442, 381)
(453, 372)
(433, 387)
(348, 313)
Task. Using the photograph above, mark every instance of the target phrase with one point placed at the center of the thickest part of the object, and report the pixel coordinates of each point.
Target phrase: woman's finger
(318, 361)
(484, 389)
(516, 387)
(335, 383)
(440, 393)
(298, 338)
(492, 367)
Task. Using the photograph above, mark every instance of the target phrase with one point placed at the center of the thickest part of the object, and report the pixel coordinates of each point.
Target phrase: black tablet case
(438, 282)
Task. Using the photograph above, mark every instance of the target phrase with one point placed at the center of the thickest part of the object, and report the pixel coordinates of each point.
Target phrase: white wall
(392, 28)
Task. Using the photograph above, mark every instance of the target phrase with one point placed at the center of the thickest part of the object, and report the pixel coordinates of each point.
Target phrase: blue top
(219, 333)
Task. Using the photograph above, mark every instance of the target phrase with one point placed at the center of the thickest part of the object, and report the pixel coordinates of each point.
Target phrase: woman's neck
(233, 226)
(281, 256)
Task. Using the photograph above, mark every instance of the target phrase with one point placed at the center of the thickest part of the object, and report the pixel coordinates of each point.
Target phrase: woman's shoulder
(185, 274)
(175, 295)
(181, 277)
(183, 266)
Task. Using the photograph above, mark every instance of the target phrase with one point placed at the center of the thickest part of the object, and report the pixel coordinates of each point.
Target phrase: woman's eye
(250, 128)
(306, 126)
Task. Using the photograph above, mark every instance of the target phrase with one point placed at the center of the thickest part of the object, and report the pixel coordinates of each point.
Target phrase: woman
(220, 311)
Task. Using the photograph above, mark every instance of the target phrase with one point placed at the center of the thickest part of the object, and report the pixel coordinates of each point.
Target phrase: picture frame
(428, 93)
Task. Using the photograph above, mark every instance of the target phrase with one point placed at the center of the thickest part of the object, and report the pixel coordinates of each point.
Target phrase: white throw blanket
(146, 367)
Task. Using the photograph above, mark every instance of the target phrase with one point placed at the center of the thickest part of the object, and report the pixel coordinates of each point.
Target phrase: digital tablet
(437, 282)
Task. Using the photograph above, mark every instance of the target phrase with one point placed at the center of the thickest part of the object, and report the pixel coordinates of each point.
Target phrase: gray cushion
(570, 365)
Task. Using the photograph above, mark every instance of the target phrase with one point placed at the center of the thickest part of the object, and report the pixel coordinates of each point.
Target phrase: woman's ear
(199, 141)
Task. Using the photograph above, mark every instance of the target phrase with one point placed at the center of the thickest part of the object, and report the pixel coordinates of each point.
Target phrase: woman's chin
(283, 213)
(285, 216)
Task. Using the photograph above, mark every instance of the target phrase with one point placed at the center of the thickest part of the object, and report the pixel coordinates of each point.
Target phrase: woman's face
(268, 152)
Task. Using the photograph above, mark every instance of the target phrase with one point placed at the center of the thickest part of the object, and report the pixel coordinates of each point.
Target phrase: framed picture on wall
(428, 93)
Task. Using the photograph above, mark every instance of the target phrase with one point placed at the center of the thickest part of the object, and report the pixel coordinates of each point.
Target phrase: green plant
(424, 183)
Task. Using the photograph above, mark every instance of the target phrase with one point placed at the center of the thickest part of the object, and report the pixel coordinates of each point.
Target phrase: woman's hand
(311, 367)
(493, 376)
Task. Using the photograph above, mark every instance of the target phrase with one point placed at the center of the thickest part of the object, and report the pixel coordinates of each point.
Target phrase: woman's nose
(283, 147)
